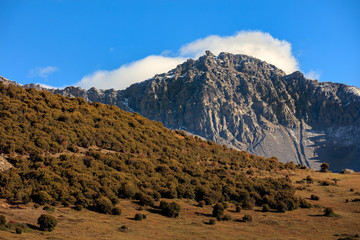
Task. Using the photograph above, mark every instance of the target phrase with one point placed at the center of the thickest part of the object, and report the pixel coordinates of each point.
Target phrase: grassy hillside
(67, 151)
(193, 222)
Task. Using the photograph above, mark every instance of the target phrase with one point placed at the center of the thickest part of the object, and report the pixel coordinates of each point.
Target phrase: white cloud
(254, 43)
(42, 72)
(48, 86)
(128, 74)
(313, 75)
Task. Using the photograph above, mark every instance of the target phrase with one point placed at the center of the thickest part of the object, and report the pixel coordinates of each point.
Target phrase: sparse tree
(218, 211)
(47, 222)
(324, 167)
(329, 212)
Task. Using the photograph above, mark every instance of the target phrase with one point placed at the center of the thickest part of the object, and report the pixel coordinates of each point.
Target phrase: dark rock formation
(250, 105)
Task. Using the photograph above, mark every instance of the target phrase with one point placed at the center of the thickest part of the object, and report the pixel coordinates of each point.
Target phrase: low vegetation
(329, 212)
(170, 209)
(324, 167)
(218, 211)
(47, 222)
(66, 151)
(247, 218)
(139, 217)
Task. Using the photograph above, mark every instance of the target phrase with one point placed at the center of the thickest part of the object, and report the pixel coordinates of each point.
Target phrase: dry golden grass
(298, 224)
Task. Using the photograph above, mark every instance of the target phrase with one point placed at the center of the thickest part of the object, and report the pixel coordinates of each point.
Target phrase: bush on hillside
(170, 209)
(47, 222)
(324, 167)
(201, 203)
(116, 211)
(305, 204)
(218, 211)
(139, 216)
(266, 208)
(314, 197)
(329, 212)
(42, 198)
(103, 205)
(247, 218)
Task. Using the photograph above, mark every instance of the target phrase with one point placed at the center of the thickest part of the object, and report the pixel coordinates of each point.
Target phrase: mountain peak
(251, 105)
(209, 53)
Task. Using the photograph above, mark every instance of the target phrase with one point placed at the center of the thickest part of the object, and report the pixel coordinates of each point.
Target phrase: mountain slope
(64, 150)
(250, 105)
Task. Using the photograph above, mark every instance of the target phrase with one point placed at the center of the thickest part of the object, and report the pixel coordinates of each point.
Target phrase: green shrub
(128, 190)
(238, 208)
(218, 211)
(324, 167)
(249, 204)
(103, 205)
(226, 217)
(47, 222)
(49, 209)
(42, 198)
(139, 217)
(325, 183)
(314, 197)
(329, 212)
(281, 207)
(305, 204)
(170, 209)
(146, 200)
(212, 222)
(309, 180)
(116, 211)
(83, 202)
(78, 207)
(18, 230)
(266, 208)
(269, 200)
(247, 218)
(2, 220)
(123, 228)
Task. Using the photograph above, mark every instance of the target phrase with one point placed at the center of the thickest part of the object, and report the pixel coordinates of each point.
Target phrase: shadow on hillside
(153, 210)
(238, 220)
(270, 211)
(339, 156)
(203, 214)
(316, 215)
(33, 227)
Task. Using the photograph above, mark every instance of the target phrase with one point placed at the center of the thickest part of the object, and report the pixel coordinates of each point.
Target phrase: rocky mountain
(250, 105)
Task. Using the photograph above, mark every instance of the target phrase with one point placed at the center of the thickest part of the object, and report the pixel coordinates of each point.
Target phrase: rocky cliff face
(250, 105)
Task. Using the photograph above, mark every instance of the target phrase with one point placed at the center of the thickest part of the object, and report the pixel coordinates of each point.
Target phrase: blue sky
(67, 42)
